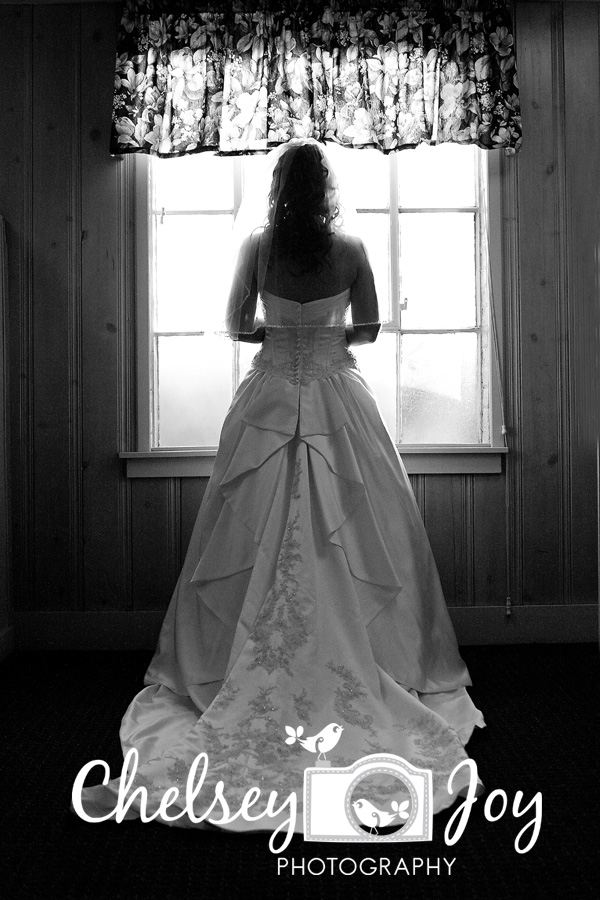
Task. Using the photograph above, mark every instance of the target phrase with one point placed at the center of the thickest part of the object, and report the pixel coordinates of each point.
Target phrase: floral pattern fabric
(251, 74)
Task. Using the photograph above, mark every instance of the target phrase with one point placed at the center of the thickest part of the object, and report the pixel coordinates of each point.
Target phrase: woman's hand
(252, 337)
(362, 334)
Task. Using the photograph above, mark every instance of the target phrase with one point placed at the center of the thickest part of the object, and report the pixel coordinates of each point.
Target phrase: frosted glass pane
(377, 363)
(437, 269)
(199, 181)
(257, 170)
(363, 176)
(438, 176)
(440, 389)
(194, 389)
(373, 228)
(193, 271)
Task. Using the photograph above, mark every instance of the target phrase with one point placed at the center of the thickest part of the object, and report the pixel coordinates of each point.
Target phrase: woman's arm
(242, 322)
(363, 301)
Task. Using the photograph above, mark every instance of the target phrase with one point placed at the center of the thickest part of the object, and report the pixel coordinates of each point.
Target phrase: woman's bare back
(337, 273)
(345, 267)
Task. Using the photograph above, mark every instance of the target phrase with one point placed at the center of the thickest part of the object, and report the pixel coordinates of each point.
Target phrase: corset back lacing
(301, 350)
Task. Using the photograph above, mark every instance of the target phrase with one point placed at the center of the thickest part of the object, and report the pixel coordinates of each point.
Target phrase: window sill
(443, 460)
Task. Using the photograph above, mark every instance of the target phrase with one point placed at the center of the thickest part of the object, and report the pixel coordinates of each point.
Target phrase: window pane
(257, 167)
(194, 389)
(438, 176)
(437, 269)
(199, 181)
(373, 228)
(440, 389)
(377, 363)
(193, 274)
(363, 176)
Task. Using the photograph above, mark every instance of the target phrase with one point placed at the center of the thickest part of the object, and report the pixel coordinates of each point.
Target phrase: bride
(308, 626)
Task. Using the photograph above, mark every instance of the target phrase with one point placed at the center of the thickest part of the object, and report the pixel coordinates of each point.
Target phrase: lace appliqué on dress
(281, 627)
(348, 692)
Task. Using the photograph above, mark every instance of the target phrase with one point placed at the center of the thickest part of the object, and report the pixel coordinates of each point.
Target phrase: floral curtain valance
(251, 74)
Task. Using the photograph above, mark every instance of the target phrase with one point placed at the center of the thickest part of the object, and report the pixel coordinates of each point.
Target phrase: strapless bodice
(304, 341)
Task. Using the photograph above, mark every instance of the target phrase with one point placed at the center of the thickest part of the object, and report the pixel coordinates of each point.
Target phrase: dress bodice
(304, 341)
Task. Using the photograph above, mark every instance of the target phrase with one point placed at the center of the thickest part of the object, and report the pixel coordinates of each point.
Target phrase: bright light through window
(420, 213)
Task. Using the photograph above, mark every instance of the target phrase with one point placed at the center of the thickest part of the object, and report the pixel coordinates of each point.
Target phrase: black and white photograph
(300, 449)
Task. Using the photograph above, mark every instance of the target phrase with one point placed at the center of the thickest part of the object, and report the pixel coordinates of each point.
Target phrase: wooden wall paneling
(6, 604)
(563, 372)
(70, 216)
(105, 289)
(581, 27)
(540, 288)
(173, 561)
(417, 483)
(152, 543)
(126, 268)
(489, 540)
(56, 272)
(468, 540)
(192, 492)
(512, 377)
(16, 207)
(445, 515)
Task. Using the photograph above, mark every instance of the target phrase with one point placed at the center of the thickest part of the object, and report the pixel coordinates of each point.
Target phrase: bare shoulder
(250, 243)
(350, 251)
(349, 243)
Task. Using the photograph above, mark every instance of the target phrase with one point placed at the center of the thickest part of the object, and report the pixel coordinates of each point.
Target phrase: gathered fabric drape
(251, 74)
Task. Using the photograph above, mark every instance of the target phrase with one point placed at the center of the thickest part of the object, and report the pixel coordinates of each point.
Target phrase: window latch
(403, 304)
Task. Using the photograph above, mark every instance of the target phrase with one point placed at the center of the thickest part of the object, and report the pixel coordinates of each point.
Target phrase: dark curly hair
(303, 205)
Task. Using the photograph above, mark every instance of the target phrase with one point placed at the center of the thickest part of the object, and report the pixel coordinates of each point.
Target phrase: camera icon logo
(379, 798)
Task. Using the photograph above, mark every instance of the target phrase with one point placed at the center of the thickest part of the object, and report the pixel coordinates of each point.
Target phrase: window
(423, 215)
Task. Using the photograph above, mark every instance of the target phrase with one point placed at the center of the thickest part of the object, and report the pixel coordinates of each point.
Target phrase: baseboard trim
(547, 624)
(120, 630)
(114, 630)
(7, 641)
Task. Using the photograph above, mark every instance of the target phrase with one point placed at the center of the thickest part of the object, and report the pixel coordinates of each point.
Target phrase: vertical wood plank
(56, 241)
(488, 531)
(5, 536)
(153, 580)
(444, 515)
(513, 468)
(539, 284)
(582, 153)
(417, 483)
(563, 373)
(192, 492)
(16, 207)
(106, 295)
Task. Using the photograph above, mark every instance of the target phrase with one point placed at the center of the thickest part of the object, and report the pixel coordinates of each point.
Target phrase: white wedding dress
(309, 595)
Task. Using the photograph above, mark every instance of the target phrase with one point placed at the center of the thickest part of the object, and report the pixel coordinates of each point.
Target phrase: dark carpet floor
(61, 710)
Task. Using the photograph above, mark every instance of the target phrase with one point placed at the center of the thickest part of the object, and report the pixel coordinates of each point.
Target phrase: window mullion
(238, 192)
(395, 285)
(395, 277)
(481, 280)
(144, 286)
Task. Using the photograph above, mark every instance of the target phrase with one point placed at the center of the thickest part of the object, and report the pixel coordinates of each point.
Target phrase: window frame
(144, 461)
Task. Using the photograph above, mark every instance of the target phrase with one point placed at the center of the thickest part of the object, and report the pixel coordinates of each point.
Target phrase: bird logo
(320, 743)
(373, 818)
